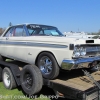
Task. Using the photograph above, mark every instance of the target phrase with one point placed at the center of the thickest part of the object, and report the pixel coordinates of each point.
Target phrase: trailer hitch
(92, 79)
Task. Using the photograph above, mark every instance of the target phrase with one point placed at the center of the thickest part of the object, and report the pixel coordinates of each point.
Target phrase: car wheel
(0, 74)
(8, 79)
(31, 79)
(48, 65)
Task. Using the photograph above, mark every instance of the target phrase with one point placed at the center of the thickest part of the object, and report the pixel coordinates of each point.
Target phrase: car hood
(61, 40)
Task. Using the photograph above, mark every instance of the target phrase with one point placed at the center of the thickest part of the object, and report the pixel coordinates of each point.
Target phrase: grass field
(16, 94)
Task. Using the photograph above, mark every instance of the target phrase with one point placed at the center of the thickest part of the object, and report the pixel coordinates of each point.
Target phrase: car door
(16, 44)
(3, 39)
(2, 45)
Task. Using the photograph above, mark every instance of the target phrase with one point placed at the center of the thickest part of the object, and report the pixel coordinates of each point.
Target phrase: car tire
(48, 65)
(31, 79)
(0, 74)
(8, 79)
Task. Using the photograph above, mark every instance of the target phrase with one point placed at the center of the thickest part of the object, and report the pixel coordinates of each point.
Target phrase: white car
(47, 48)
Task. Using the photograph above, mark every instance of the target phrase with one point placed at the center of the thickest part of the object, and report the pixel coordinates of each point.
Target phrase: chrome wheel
(7, 79)
(45, 65)
(48, 66)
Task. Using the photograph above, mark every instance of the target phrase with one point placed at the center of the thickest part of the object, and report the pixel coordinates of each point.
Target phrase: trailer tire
(40, 78)
(8, 79)
(0, 74)
(49, 68)
(30, 79)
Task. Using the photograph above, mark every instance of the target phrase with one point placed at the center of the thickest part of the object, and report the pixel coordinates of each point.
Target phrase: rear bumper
(78, 63)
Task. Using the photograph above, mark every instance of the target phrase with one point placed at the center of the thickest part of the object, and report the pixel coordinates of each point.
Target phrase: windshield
(43, 31)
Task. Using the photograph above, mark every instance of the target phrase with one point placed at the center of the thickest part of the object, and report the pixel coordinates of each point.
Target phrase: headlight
(76, 52)
(83, 51)
(79, 51)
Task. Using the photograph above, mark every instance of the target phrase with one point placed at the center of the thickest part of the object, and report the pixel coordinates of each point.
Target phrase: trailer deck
(76, 85)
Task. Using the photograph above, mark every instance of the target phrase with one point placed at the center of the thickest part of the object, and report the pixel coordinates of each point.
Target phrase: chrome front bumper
(78, 63)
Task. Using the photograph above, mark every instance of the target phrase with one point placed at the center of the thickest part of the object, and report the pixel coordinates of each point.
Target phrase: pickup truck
(47, 48)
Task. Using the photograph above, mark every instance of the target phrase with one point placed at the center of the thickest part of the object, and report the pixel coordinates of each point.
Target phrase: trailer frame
(59, 87)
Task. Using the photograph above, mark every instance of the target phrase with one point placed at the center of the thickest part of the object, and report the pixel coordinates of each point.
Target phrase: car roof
(41, 25)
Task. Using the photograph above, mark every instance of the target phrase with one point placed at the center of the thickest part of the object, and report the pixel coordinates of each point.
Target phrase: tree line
(94, 33)
(2, 30)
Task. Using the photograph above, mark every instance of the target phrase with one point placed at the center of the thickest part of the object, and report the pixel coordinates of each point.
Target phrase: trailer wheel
(40, 79)
(48, 65)
(0, 74)
(31, 79)
(8, 79)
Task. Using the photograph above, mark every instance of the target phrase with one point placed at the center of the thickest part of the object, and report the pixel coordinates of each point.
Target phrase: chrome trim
(91, 50)
(74, 64)
(89, 47)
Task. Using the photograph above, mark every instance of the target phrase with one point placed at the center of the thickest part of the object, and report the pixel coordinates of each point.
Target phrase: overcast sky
(67, 15)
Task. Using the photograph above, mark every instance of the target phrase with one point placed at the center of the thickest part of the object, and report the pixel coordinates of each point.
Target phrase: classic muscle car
(47, 48)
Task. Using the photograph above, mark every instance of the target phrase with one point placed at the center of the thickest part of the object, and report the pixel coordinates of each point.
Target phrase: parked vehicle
(43, 51)
(47, 48)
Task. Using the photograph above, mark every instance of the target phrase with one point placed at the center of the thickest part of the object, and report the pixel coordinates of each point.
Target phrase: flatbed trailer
(69, 84)
(75, 85)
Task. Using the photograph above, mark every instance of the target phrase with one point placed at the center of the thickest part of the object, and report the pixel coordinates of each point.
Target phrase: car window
(9, 32)
(35, 31)
(51, 32)
(43, 30)
(31, 31)
(19, 31)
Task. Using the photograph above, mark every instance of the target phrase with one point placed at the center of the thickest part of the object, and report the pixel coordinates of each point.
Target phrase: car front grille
(92, 50)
